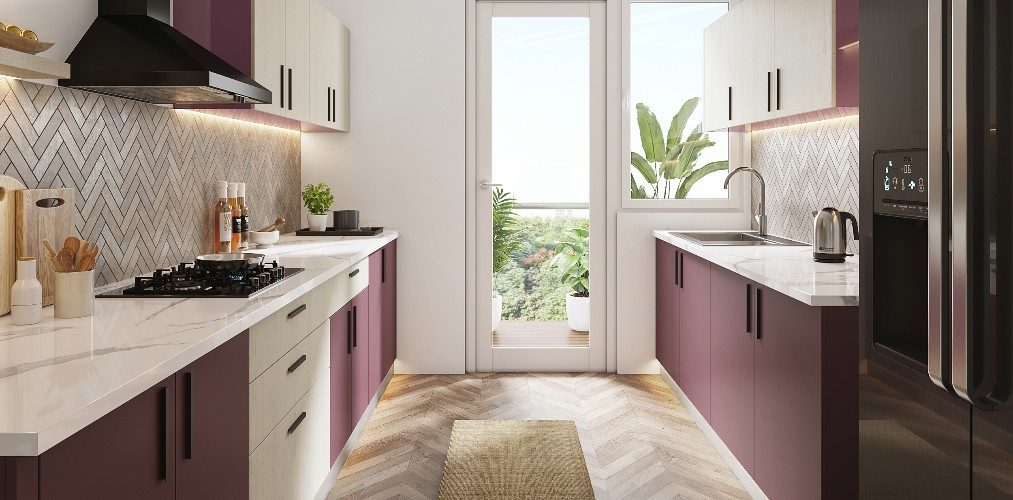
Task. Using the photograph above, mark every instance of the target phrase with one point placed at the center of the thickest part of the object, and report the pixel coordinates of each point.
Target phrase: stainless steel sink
(734, 238)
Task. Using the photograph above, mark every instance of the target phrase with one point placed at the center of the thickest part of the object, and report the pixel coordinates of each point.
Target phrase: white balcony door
(540, 132)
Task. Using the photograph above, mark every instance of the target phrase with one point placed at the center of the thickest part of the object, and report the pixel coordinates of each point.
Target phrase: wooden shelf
(21, 65)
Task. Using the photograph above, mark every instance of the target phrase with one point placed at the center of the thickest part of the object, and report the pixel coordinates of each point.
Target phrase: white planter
(578, 313)
(317, 222)
(497, 311)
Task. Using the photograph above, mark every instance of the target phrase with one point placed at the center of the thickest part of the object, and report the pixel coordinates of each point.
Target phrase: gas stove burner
(188, 280)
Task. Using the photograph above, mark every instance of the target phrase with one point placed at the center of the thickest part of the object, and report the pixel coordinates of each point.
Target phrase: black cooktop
(187, 280)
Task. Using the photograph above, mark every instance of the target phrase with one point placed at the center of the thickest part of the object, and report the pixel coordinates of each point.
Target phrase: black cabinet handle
(298, 420)
(297, 311)
(383, 265)
(188, 443)
(282, 100)
(749, 308)
(290, 89)
(328, 104)
(166, 445)
(334, 105)
(353, 273)
(676, 278)
(298, 362)
(355, 326)
(729, 103)
(768, 92)
(349, 331)
(682, 270)
(757, 314)
(778, 93)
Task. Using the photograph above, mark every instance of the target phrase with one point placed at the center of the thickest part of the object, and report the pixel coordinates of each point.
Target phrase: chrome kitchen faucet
(761, 217)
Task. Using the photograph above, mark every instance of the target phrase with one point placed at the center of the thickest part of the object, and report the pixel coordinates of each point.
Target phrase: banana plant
(572, 257)
(669, 163)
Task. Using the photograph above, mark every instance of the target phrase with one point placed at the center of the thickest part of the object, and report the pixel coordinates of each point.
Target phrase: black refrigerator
(936, 160)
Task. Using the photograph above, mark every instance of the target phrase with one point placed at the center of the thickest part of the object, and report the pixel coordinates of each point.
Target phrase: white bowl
(264, 239)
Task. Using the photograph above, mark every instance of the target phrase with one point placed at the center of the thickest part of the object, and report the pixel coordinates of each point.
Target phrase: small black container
(346, 219)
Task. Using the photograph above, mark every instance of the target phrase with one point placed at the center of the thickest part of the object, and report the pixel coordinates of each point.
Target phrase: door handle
(290, 89)
(777, 92)
(768, 92)
(936, 241)
(281, 102)
(328, 104)
(349, 331)
(749, 308)
(297, 364)
(676, 273)
(682, 270)
(166, 457)
(188, 443)
(486, 185)
(297, 311)
(334, 105)
(758, 314)
(298, 420)
(729, 104)
(353, 273)
(383, 265)
(355, 326)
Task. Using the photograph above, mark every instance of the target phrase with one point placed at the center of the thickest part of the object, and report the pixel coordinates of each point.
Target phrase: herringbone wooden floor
(638, 440)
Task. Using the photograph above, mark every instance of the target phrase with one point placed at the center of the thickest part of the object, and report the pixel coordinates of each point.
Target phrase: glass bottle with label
(223, 220)
(237, 230)
(244, 215)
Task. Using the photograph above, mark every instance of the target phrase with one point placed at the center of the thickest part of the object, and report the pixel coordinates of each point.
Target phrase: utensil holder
(74, 294)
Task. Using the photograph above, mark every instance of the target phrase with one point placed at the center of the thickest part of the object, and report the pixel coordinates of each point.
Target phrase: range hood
(131, 51)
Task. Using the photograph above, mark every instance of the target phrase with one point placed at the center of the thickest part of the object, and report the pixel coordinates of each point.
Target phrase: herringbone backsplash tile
(807, 167)
(144, 174)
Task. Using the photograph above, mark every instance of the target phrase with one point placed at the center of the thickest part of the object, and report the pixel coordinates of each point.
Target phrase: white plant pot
(578, 313)
(317, 222)
(497, 311)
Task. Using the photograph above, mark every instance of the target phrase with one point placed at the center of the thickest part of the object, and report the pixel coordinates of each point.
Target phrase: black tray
(362, 231)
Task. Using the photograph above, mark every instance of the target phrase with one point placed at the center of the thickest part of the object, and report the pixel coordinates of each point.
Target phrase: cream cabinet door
(717, 73)
(321, 57)
(804, 53)
(297, 59)
(269, 52)
(340, 76)
(753, 62)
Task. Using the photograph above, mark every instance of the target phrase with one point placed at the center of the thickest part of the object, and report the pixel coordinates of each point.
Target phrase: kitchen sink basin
(734, 238)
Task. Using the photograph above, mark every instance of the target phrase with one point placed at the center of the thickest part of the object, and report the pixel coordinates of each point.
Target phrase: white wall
(402, 162)
(62, 22)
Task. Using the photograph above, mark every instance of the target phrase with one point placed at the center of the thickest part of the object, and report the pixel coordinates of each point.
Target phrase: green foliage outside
(668, 166)
(531, 284)
(504, 229)
(573, 256)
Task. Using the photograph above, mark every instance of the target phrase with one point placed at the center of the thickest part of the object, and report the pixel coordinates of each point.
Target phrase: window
(672, 159)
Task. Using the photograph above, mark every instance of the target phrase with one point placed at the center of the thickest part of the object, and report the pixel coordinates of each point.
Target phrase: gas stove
(187, 280)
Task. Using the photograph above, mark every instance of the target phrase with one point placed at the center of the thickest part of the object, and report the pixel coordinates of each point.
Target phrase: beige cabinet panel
(752, 62)
(717, 72)
(297, 58)
(804, 52)
(341, 80)
(321, 57)
(269, 50)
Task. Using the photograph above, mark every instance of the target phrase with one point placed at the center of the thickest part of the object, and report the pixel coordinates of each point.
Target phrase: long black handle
(298, 362)
(290, 89)
(297, 311)
(758, 314)
(778, 94)
(676, 273)
(298, 420)
(749, 308)
(166, 445)
(188, 443)
(334, 105)
(729, 103)
(355, 326)
(768, 92)
(281, 102)
(383, 265)
(353, 273)
(328, 104)
(349, 331)
(682, 270)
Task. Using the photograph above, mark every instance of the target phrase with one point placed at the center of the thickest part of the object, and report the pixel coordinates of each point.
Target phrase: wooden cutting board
(43, 214)
(8, 259)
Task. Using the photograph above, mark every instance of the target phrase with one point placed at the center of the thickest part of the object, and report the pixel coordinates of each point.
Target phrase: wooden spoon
(72, 244)
(275, 225)
(52, 255)
(88, 261)
(66, 260)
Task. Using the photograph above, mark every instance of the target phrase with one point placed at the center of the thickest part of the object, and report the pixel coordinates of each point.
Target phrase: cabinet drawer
(280, 332)
(337, 291)
(275, 392)
(292, 461)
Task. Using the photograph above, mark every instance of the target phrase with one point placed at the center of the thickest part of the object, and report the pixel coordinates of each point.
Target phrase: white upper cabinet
(717, 70)
(752, 61)
(805, 53)
(301, 56)
(784, 59)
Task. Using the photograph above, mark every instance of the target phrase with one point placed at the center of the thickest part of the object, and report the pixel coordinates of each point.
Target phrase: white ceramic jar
(26, 294)
(74, 294)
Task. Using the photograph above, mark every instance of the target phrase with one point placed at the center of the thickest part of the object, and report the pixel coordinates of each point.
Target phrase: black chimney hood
(131, 51)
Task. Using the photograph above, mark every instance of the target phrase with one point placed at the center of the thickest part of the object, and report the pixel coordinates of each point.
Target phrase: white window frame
(738, 142)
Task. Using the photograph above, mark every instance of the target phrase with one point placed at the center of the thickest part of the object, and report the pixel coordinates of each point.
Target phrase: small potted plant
(504, 242)
(318, 200)
(572, 258)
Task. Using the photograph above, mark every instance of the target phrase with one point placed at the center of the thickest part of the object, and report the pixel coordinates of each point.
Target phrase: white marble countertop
(60, 375)
(789, 270)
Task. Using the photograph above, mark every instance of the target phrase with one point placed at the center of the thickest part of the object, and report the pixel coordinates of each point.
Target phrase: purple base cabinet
(388, 315)
(376, 307)
(732, 363)
(341, 379)
(213, 423)
(666, 333)
(694, 330)
(361, 393)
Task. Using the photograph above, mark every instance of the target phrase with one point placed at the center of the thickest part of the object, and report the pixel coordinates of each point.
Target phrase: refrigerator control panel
(902, 183)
